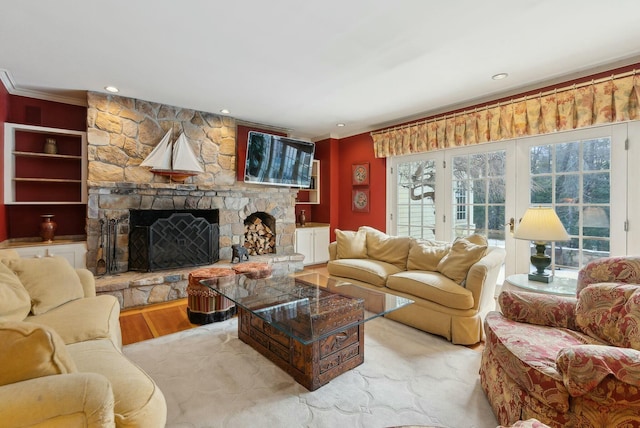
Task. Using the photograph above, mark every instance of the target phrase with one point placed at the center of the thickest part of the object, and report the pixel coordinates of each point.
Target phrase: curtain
(605, 101)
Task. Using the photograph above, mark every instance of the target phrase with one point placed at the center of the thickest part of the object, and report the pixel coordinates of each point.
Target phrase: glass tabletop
(306, 307)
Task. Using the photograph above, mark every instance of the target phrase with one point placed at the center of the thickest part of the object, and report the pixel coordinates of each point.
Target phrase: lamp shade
(541, 224)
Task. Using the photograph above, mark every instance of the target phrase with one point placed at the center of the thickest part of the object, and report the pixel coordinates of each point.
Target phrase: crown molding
(9, 84)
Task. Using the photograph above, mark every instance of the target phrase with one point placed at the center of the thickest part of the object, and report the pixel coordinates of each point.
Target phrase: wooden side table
(561, 285)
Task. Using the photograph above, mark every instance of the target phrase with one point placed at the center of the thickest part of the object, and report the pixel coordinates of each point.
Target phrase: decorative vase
(302, 218)
(50, 146)
(47, 227)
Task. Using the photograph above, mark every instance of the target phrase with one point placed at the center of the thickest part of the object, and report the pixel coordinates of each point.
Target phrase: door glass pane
(415, 208)
(479, 195)
(577, 185)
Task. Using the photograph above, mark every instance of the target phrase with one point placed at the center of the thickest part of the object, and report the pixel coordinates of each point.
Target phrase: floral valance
(609, 100)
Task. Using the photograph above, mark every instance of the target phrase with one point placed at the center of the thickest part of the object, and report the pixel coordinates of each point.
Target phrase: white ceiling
(307, 65)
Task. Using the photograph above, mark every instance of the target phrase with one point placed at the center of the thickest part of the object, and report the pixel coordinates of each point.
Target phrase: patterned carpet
(211, 379)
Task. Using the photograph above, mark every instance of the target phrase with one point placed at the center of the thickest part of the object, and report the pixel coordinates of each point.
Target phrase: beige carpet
(211, 379)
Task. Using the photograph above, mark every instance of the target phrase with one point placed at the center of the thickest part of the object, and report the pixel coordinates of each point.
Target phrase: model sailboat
(175, 160)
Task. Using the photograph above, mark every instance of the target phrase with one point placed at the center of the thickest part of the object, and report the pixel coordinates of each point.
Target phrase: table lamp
(541, 225)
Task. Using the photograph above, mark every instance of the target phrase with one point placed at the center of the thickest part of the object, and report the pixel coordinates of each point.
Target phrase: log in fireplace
(167, 239)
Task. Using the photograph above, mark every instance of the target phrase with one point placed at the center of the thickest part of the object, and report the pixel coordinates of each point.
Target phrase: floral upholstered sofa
(568, 361)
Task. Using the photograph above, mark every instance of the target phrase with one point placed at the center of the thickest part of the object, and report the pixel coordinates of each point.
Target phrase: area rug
(212, 379)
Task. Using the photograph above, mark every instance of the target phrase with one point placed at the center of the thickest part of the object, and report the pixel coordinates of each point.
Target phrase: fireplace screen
(162, 239)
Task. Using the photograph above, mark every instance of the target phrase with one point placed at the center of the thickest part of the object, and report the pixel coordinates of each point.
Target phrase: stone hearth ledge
(135, 289)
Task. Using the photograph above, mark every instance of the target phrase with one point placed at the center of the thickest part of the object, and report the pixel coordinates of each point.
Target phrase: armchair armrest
(584, 367)
(76, 399)
(610, 269)
(541, 309)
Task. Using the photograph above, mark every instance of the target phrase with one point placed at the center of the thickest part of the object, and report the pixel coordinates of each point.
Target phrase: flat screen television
(278, 161)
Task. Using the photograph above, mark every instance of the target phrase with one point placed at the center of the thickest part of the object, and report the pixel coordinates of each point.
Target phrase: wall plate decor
(360, 199)
(360, 174)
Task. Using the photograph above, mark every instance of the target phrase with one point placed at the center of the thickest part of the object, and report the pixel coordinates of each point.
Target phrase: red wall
(22, 221)
(359, 149)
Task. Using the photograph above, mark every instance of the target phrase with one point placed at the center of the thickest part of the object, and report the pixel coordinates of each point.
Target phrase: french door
(487, 188)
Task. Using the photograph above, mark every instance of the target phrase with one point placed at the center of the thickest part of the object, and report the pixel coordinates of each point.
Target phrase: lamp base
(545, 277)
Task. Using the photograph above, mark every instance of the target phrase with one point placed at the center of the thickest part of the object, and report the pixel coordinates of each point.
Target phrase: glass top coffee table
(309, 325)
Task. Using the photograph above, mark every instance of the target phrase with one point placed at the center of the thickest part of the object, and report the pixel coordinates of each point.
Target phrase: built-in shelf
(35, 176)
(311, 195)
(48, 180)
(45, 155)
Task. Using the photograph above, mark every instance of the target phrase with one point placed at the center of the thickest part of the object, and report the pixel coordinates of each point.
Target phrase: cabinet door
(74, 253)
(321, 245)
(304, 244)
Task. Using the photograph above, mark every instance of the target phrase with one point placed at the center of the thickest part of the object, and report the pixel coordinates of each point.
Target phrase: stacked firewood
(259, 238)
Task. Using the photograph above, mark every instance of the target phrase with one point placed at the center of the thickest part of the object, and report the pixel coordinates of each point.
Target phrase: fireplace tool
(113, 266)
(101, 264)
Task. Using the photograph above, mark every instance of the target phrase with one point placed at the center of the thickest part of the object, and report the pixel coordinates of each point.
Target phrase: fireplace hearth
(168, 239)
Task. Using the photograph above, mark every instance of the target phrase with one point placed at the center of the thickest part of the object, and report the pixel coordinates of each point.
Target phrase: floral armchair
(568, 361)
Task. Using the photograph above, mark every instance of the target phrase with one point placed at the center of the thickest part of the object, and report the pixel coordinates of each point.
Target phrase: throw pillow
(30, 351)
(425, 255)
(386, 248)
(463, 254)
(351, 245)
(50, 281)
(15, 302)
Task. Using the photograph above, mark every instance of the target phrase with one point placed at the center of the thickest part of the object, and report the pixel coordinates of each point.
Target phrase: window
(479, 195)
(574, 178)
(583, 174)
(416, 196)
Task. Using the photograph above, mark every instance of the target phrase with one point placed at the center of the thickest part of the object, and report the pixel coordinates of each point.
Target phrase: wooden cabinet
(313, 242)
(311, 196)
(35, 175)
(75, 253)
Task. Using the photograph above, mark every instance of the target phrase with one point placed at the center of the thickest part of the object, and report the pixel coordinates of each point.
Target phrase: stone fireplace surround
(234, 205)
(121, 132)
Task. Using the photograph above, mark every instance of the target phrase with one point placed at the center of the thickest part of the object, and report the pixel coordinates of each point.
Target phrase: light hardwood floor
(151, 321)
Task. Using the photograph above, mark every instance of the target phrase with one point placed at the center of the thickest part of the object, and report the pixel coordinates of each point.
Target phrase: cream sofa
(61, 363)
(452, 284)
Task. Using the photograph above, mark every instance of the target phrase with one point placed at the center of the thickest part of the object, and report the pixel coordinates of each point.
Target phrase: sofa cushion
(30, 351)
(351, 245)
(386, 248)
(370, 271)
(37, 275)
(15, 302)
(138, 400)
(528, 353)
(425, 255)
(464, 253)
(610, 312)
(84, 319)
(432, 286)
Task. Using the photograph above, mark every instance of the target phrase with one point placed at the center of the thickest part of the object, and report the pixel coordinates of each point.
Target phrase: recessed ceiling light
(499, 76)
(224, 111)
(111, 89)
(339, 125)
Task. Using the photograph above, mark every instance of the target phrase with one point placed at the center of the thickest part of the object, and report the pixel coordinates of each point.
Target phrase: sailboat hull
(174, 175)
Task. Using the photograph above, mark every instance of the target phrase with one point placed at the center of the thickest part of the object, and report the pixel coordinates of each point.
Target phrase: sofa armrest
(333, 250)
(76, 399)
(541, 309)
(482, 277)
(584, 367)
(88, 282)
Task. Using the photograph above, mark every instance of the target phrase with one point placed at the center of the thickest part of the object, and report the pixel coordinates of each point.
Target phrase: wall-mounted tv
(278, 161)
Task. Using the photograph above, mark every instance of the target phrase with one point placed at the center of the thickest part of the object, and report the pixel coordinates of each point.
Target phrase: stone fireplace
(123, 131)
